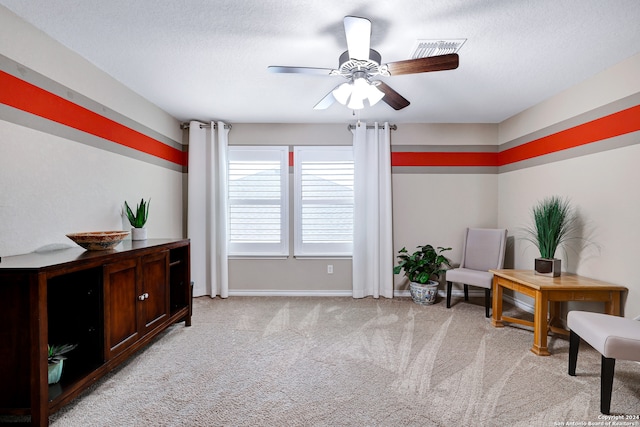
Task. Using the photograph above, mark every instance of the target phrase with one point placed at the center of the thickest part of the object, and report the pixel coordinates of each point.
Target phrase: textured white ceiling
(207, 59)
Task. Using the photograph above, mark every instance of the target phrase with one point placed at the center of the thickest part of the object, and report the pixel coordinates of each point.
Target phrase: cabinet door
(154, 307)
(121, 292)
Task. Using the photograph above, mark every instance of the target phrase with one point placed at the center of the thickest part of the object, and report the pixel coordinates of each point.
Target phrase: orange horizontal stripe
(24, 96)
(615, 124)
(443, 159)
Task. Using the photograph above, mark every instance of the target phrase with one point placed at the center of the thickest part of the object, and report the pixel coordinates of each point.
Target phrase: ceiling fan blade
(393, 98)
(325, 102)
(358, 32)
(300, 70)
(423, 65)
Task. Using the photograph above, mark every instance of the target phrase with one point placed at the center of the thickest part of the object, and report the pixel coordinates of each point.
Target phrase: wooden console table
(111, 303)
(566, 287)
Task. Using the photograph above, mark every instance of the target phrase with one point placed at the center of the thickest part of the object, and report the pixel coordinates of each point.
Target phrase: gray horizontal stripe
(17, 70)
(621, 141)
(583, 150)
(38, 123)
(605, 110)
(444, 148)
(457, 170)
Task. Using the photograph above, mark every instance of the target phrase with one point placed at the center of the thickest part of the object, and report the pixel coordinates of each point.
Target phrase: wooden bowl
(98, 240)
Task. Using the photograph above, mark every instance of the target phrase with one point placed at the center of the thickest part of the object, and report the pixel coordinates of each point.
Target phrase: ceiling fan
(360, 64)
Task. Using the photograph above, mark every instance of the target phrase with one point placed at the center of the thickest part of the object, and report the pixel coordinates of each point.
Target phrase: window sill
(346, 257)
(274, 257)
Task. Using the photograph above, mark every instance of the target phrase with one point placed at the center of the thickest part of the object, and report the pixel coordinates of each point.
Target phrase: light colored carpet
(316, 361)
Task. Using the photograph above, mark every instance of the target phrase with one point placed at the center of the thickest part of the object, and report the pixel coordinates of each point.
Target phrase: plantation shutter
(258, 201)
(324, 201)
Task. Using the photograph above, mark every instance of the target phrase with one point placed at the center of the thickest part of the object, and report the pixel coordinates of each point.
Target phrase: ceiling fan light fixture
(342, 93)
(360, 88)
(355, 103)
(374, 95)
(353, 94)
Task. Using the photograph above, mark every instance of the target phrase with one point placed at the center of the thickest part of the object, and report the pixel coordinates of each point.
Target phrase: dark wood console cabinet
(110, 303)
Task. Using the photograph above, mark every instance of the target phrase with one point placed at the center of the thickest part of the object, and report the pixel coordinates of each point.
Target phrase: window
(258, 201)
(323, 201)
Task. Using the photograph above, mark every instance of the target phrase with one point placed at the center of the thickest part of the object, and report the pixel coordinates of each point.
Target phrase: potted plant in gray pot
(554, 223)
(423, 269)
(138, 219)
(55, 360)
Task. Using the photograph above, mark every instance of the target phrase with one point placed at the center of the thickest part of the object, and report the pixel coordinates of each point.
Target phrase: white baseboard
(292, 293)
(403, 293)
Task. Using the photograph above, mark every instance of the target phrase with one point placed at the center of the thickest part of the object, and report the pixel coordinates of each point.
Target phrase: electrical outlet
(329, 268)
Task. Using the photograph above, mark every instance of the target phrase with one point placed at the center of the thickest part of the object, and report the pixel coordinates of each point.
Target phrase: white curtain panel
(207, 208)
(372, 234)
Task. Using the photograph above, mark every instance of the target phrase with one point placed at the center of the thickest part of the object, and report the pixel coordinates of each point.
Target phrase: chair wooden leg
(574, 345)
(466, 292)
(449, 285)
(606, 384)
(487, 302)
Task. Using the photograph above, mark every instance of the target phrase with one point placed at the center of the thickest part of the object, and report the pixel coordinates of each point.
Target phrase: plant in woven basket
(423, 265)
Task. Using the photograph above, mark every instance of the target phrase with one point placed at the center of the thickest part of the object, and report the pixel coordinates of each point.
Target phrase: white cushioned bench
(614, 337)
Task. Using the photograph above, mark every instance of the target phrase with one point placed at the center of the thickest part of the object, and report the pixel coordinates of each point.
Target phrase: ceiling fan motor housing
(371, 66)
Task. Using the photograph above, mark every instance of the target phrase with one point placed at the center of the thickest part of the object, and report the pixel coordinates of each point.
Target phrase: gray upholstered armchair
(483, 250)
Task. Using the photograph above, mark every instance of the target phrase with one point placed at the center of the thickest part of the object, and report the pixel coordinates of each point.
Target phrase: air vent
(424, 48)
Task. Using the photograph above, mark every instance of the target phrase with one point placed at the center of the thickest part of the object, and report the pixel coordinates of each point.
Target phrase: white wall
(601, 185)
(51, 185)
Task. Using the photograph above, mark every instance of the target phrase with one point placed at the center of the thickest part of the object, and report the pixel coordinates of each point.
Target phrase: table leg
(613, 305)
(496, 316)
(540, 324)
(555, 308)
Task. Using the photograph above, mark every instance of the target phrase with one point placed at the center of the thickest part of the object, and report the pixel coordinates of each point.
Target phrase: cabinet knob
(143, 296)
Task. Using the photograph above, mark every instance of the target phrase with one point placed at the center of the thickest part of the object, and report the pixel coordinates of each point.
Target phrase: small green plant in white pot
(56, 358)
(423, 268)
(138, 219)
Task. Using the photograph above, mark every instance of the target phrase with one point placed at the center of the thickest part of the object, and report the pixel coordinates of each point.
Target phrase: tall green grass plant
(554, 223)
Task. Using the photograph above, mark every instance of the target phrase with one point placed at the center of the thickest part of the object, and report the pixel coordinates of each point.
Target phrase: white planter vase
(424, 294)
(139, 234)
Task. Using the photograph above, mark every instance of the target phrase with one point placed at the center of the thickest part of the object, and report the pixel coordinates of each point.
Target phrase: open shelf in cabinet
(75, 316)
(179, 276)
